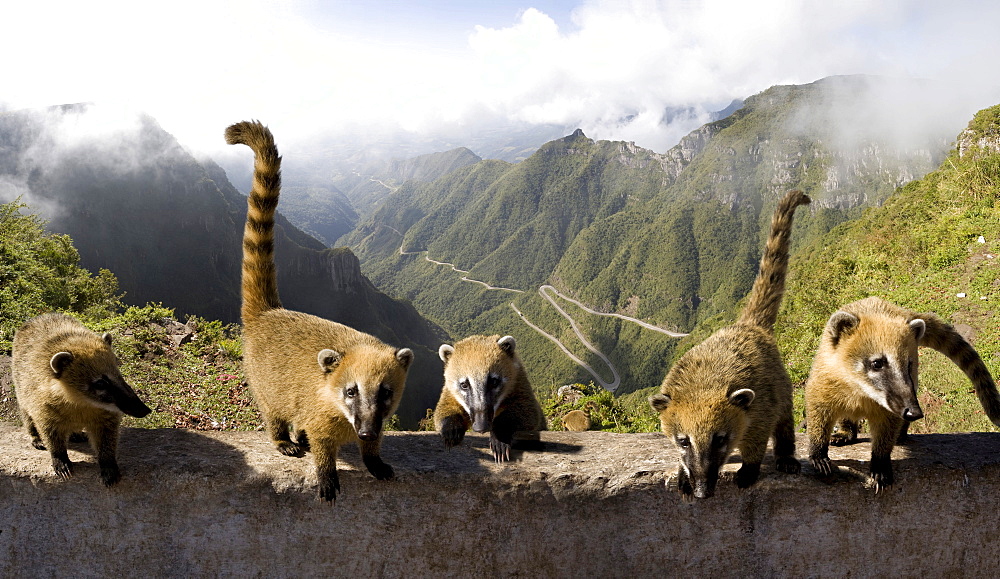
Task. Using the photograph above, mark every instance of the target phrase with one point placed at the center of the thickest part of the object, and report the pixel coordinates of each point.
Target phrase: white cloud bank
(200, 65)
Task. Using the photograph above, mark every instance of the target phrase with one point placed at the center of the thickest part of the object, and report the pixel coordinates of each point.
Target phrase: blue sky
(313, 67)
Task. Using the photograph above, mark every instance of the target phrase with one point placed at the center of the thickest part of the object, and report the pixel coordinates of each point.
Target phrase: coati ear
(445, 352)
(742, 398)
(328, 359)
(840, 324)
(507, 344)
(405, 356)
(919, 328)
(659, 402)
(107, 338)
(60, 362)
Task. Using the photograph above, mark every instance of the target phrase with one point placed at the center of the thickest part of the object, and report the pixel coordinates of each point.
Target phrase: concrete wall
(589, 504)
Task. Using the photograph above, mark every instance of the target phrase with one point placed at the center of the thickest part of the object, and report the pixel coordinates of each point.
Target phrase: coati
(732, 390)
(866, 367)
(486, 387)
(328, 382)
(67, 382)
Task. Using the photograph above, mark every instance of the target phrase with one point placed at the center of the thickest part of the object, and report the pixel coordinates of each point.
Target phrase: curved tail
(942, 336)
(769, 287)
(260, 281)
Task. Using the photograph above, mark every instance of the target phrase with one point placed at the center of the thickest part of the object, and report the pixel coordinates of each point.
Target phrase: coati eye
(464, 384)
(719, 440)
(385, 391)
(351, 391)
(683, 441)
(493, 382)
(877, 364)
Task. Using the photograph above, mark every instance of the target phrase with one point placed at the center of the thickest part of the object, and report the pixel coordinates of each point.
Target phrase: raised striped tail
(942, 336)
(769, 287)
(260, 281)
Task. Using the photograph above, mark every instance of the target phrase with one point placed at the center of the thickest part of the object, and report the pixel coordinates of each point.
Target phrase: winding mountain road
(545, 291)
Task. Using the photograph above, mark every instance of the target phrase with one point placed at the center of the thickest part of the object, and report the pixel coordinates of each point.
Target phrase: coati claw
(63, 468)
(500, 449)
(110, 475)
(453, 432)
(684, 487)
(289, 448)
(822, 465)
(329, 486)
(881, 474)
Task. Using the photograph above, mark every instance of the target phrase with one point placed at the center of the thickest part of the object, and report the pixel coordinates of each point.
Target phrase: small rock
(981, 239)
(569, 394)
(960, 295)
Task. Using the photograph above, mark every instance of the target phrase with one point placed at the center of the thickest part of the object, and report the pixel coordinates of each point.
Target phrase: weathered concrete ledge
(587, 504)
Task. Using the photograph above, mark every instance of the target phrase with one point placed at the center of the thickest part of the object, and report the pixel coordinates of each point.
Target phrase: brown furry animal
(732, 390)
(866, 367)
(67, 381)
(576, 421)
(486, 387)
(330, 383)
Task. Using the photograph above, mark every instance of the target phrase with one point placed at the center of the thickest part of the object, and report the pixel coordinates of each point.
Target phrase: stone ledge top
(574, 462)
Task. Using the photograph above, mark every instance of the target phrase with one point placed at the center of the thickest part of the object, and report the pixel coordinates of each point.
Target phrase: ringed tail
(260, 281)
(941, 336)
(769, 287)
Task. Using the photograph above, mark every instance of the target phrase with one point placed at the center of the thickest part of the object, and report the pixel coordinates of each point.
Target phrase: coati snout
(107, 390)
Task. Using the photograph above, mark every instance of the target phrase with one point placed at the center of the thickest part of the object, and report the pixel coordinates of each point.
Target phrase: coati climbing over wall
(486, 387)
(732, 390)
(327, 382)
(67, 381)
(866, 367)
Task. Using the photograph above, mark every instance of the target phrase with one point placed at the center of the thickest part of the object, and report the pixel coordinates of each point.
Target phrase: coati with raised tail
(866, 367)
(327, 382)
(732, 390)
(486, 388)
(67, 381)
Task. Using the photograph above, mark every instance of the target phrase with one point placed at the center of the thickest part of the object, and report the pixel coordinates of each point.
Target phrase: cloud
(199, 65)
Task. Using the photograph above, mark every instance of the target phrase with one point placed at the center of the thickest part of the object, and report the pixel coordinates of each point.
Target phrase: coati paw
(788, 464)
(379, 469)
(110, 475)
(844, 433)
(452, 432)
(881, 475)
(500, 449)
(302, 441)
(289, 448)
(684, 488)
(329, 486)
(841, 438)
(822, 465)
(37, 443)
(63, 468)
(747, 475)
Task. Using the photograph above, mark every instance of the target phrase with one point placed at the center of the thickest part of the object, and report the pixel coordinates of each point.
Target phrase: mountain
(670, 238)
(170, 228)
(367, 186)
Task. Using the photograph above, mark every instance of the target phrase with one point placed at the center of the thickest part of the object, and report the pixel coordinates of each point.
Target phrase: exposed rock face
(586, 504)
